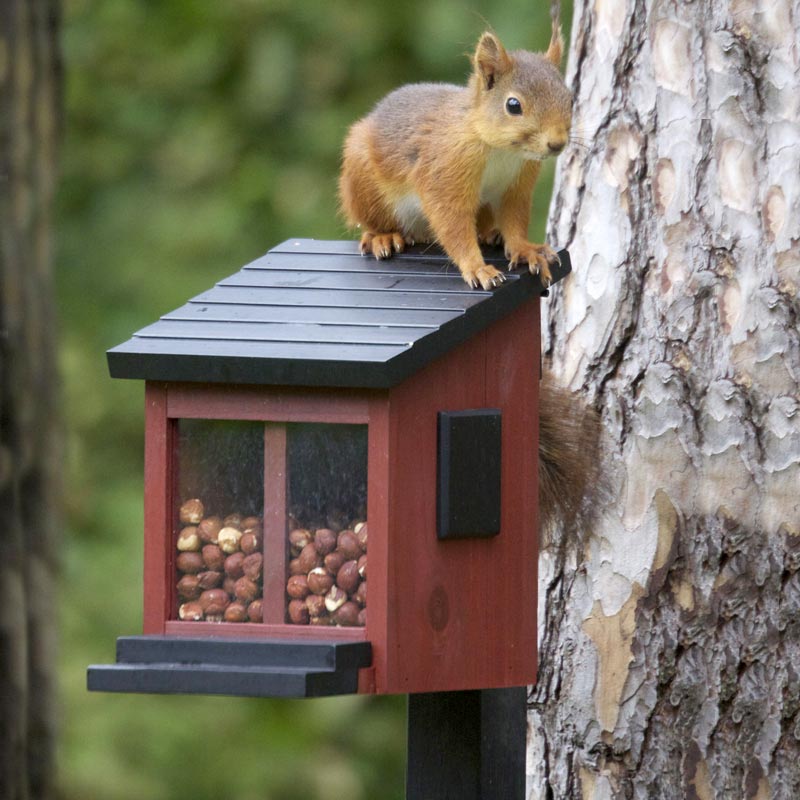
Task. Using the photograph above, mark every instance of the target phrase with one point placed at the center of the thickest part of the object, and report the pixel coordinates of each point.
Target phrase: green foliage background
(198, 135)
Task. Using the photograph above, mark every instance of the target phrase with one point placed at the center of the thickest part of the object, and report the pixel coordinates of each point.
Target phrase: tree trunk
(29, 431)
(670, 653)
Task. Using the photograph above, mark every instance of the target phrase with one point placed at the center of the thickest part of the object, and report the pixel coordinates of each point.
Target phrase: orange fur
(453, 164)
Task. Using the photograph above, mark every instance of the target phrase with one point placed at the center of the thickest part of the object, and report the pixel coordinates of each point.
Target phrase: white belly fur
(502, 168)
(413, 222)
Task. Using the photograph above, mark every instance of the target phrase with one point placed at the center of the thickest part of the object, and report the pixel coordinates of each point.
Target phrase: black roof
(317, 313)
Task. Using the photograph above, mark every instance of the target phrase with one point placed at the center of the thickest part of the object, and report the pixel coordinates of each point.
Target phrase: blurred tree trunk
(670, 658)
(30, 443)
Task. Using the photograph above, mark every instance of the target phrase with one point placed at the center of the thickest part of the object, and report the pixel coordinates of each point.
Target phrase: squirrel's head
(521, 100)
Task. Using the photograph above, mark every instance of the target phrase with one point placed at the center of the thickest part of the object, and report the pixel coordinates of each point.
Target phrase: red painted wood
(267, 403)
(462, 614)
(158, 480)
(275, 570)
(249, 630)
(378, 492)
(512, 383)
(366, 680)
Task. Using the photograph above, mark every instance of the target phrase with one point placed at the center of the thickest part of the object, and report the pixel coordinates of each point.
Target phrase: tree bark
(670, 642)
(29, 429)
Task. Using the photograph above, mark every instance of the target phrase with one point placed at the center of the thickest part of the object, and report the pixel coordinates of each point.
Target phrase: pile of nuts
(328, 576)
(221, 566)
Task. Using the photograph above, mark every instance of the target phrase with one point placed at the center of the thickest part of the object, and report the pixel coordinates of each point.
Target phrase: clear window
(326, 524)
(218, 531)
(270, 523)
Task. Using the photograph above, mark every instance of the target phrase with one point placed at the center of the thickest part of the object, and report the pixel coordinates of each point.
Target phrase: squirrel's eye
(513, 106)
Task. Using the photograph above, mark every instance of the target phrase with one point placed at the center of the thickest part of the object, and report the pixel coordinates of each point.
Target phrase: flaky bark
(29, 441)
(670, 657)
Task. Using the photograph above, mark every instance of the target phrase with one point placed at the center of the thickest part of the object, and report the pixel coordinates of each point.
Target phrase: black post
(467, 745)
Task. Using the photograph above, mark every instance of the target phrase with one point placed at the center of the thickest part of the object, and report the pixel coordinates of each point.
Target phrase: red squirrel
(457, 164)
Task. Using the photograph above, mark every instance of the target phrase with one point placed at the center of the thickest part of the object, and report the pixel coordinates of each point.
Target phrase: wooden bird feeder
(314, 412)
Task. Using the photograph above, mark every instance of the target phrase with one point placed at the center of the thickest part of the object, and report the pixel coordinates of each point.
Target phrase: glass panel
(326, 524)
(219, 510)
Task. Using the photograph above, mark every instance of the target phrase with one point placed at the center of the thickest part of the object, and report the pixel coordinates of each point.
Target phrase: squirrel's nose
(556, 147)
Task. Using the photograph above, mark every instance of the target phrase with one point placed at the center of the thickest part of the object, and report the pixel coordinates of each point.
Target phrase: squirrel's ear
(491, 60)
(555, 51)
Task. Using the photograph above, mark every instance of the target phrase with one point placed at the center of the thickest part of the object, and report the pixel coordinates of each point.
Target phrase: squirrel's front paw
(487, 277)
(539, 258)
(382, 245)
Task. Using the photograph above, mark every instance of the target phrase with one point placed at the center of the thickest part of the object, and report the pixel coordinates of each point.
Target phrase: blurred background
(198, 135)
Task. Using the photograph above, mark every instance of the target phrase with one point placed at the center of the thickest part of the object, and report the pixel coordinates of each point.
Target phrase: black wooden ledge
(239, 667)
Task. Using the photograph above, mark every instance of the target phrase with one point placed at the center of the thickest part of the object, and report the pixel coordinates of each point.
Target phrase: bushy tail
(572, 484)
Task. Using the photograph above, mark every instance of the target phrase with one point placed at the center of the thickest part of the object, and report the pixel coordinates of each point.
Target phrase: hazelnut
(245, 590)
(189, 587)
(335, 599)
(321, 620)
(210, 579)
(253, 566)
(348, 578)
(309, 558)
(192, 611)
(362, 617)
(297, 587)
(229, 585)
(362, 566)
(298, 539)
(325, 540)
(347, 614)
(251, 522)
(190, 562)
(333, 561)
(295, 568)
(320, 581)
(209, 529)
(348, 544)
(213, 557)
(360, 530)
(361, 594)
(250, 542)
(254, 612)
(316, 605)
(235, 612)
(191, 512)
(228, 539)
(233, 521)
(214, 602)
(234, 565)
(188, 540)
(298, 612)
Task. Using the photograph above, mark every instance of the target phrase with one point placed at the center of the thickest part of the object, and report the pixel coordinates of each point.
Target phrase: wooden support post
(467, 745)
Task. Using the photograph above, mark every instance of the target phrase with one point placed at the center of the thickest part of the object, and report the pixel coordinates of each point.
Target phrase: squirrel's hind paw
(382, 245)
(491, 237)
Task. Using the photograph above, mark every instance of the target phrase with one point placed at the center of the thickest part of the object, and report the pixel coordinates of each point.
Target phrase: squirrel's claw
(485, 277)
(539, 257)
(381, 245)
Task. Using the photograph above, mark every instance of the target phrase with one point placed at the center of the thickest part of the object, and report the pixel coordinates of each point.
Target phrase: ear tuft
(555, 50)
(491, 59)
